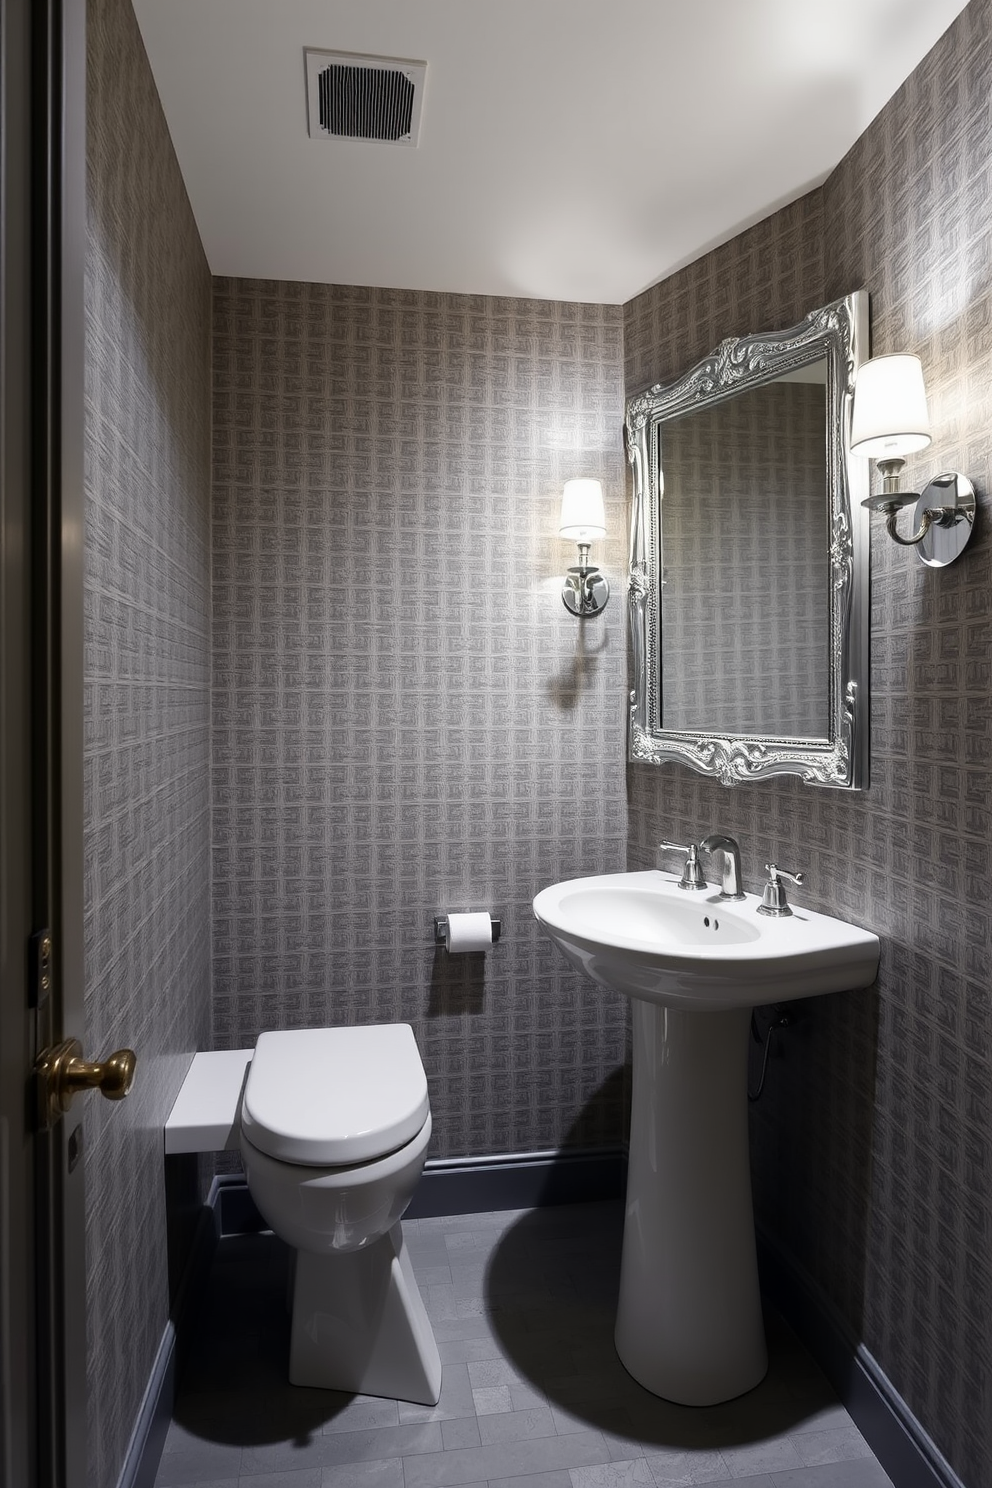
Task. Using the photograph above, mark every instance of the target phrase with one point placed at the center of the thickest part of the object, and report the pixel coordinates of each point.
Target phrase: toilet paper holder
(441, 928)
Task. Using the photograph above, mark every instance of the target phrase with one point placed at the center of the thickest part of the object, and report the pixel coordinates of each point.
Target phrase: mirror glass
(748, 572)
(766, 584)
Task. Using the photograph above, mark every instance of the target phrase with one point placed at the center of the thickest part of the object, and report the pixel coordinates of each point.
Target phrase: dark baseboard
(234, 1207)
(148, 1437)
(144, 1451)
(472, 1186)
(906, 1452)
(523, 1181)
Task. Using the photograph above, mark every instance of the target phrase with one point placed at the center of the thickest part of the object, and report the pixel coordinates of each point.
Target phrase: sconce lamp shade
(890, 416)
(583, 516)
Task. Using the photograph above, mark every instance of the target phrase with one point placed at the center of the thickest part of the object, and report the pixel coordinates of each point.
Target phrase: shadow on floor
(234, 1387)
(551, 1288)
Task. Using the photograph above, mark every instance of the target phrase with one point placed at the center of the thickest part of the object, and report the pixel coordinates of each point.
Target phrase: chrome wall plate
(949, 535)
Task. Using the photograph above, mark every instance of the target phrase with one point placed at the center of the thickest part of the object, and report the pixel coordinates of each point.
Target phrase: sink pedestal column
(689, 1325)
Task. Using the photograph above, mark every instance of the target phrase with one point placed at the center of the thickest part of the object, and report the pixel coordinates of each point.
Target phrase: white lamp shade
(890, 409)
(583, 516)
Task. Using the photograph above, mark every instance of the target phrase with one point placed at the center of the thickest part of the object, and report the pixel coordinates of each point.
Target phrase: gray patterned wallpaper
(146, 699)
(745, 594)
(406, 719)
(873, 1144)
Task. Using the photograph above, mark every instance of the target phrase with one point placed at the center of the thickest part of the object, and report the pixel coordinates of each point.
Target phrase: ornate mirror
(748, 584)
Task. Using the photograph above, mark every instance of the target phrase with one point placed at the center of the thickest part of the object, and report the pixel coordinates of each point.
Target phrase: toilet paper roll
(469, 932)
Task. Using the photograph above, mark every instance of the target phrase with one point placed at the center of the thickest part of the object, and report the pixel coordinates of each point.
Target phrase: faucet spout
(730, 874)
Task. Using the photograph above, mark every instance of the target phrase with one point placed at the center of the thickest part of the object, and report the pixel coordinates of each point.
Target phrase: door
(42, 237)
(17, 1404)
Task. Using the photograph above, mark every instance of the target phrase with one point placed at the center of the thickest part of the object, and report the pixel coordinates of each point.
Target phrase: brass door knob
(62, 1073)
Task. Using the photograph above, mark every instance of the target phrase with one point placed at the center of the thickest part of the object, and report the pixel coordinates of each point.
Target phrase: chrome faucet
(730, 877)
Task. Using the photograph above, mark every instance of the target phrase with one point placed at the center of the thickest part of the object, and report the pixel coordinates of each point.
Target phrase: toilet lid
(333, 1096)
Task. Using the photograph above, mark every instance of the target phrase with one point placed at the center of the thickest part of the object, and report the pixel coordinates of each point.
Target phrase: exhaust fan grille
(364, 98)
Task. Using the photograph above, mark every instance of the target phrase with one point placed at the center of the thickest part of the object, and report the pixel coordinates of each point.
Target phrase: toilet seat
(332, 1097)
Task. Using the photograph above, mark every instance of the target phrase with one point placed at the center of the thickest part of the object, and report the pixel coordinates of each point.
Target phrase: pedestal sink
(689, 1324)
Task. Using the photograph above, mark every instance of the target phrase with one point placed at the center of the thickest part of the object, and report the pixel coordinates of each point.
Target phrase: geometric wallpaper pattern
(406, 719)
(872, 1145)
(147, 702)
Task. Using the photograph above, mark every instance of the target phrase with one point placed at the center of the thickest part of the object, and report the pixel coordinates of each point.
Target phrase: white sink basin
(689, 1323)
(642, 935)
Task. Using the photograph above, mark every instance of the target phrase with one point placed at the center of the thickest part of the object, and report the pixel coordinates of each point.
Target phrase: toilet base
(359, 1324)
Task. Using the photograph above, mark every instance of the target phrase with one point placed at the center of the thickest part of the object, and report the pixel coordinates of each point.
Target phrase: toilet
(335, 1124)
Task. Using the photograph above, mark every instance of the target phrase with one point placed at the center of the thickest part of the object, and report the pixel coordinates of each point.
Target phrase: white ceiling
(569, 149)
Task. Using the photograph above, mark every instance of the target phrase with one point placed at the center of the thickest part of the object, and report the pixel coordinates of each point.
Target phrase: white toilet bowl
(335, 1124)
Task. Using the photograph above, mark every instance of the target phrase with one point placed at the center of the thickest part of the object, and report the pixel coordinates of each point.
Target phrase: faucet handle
(773, 900)
(692, 873)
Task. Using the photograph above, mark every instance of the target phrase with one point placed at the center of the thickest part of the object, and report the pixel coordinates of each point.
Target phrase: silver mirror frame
(839, 333)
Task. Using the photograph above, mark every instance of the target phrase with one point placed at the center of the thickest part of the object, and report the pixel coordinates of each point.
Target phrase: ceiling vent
(364, 98)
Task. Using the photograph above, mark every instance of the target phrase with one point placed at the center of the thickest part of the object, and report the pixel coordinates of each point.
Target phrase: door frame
(59, 254)
(18, 1457)
(42, 326)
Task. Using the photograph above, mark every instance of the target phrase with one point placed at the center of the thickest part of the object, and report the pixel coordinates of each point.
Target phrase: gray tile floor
(533, 1395)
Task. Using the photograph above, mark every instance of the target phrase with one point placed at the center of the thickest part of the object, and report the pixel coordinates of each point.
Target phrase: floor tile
(472, 1306)
(763, 1480)
(865, 1472)
(462, 1432)
(492, 1400)
(426, 1250)
(450, 1329)
(283, 1457)
(526, 1397)
(438, 1275)
(774, 1456)
(485, 1372)
(820, 1418)
(217, 1483)
(363, 1412)
(308, 1477)
(560, 1479)
(567, 1421)
(468, 1350)
(532, 1392)
(257, 1418)
(509, 1459)
(440, 1302)
(676, 1469)
(843, 1444)
(379, 1473)
(198, 1464)
(521, 1425)
(390, 1441)
(632, 1474)
(577, 1390)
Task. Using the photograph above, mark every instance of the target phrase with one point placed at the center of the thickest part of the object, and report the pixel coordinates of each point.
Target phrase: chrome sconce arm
(585, 590)
(891, 420)
(583, 519)
(948, 502)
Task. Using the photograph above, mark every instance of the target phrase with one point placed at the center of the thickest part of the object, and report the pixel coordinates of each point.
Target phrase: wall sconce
(890, 420)
(583, 519)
